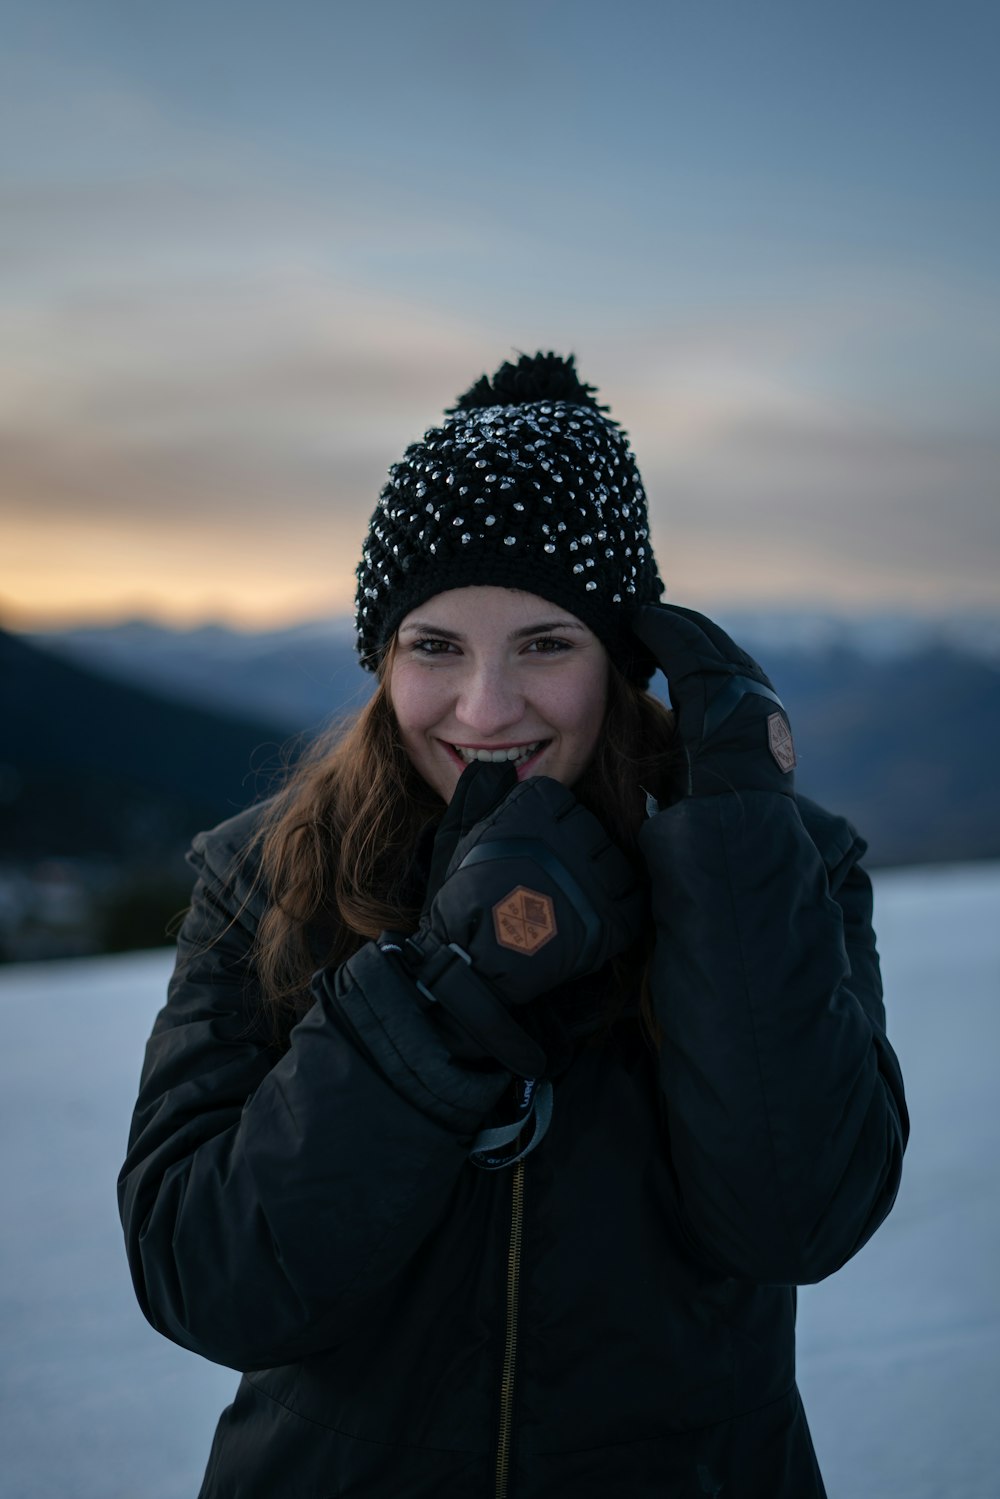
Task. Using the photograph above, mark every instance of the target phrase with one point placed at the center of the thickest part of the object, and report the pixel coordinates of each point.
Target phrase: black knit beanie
(527, 484)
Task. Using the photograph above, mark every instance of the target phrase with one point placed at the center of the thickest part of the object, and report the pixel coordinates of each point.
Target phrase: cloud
(769, 436)
(273, 390)
(244, 436)
(209, 357)
(849, 508)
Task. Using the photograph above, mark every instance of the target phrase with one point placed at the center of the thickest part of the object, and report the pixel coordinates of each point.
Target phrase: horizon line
(19, 621)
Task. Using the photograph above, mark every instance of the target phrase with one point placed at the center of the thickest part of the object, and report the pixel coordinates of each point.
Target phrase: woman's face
(494, 673)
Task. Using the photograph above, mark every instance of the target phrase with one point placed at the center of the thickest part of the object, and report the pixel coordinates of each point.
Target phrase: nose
(490, 702)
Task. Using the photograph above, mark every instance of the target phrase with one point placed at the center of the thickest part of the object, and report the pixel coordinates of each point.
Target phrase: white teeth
(517, 753)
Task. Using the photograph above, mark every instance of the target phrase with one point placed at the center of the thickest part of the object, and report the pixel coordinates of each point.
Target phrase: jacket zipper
(510, 1341)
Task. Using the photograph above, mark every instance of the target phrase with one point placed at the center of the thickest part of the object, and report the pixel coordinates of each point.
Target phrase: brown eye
(431, 646)
(549, 645)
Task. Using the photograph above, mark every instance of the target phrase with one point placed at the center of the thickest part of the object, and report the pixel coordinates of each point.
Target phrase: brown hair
(337, 847)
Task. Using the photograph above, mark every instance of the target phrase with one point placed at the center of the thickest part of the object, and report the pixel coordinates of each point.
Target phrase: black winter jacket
(612, 1316)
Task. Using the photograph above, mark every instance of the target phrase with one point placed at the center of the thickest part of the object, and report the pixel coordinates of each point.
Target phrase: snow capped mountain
(806, 630)
(304, 672)
(297, 675)
(877, 637)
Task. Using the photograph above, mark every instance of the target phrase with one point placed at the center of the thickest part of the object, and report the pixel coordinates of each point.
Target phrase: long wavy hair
(337, 847)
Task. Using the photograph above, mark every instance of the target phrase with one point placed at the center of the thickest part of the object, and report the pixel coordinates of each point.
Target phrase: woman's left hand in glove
(732, 727)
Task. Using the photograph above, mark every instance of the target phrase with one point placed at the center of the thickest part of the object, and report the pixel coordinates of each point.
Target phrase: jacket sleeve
(266, 1199)
(783, 1099)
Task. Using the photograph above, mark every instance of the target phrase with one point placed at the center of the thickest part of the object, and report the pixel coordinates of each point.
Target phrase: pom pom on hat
(535, 377)
(526, 484)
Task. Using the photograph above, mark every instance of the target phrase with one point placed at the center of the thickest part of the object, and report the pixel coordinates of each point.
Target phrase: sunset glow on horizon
(227, 309)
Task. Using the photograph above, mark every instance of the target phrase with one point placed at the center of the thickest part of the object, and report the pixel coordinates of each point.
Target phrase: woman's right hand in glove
(533, 894)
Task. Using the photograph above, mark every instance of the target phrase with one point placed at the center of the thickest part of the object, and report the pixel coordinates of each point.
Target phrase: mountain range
(301, 674)
(896, 719)
(116, 745)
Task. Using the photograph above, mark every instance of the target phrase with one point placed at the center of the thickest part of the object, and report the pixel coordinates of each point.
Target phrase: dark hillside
(103, 782)
(897, 727)
(92, 767)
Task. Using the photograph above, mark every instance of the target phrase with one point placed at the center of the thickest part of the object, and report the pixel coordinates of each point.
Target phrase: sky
(249, 252)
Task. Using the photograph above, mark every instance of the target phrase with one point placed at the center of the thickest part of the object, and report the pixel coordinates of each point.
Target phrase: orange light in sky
(265, 577)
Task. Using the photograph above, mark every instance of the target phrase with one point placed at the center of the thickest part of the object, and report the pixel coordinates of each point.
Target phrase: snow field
(899, 1354)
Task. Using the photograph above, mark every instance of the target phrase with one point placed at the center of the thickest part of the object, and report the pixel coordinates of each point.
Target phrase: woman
(526, 1053)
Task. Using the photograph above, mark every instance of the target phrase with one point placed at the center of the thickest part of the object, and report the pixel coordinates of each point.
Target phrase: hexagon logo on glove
(524, 920)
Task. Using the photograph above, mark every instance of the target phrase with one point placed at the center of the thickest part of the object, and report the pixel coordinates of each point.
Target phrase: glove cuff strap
(727, 700)
(447, 978)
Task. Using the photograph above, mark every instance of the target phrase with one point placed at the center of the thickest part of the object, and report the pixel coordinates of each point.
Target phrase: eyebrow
(542, 627)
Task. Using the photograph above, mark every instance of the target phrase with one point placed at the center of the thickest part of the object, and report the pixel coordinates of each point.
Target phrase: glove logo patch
(779, 738)
(524, 920)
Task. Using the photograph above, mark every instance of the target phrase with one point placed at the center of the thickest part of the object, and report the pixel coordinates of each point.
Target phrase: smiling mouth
(517, 754)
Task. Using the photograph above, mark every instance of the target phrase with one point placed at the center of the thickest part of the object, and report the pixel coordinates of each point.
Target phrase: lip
(524, 769)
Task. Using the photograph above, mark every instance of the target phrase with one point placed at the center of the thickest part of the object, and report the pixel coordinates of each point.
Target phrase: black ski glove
(526, 892)
(481, 788)
(731, 725)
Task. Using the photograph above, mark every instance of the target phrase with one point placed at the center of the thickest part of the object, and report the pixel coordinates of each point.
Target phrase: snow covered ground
(899, 1353)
